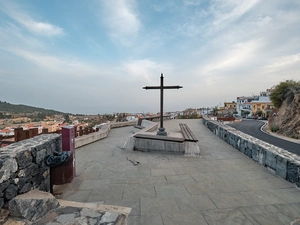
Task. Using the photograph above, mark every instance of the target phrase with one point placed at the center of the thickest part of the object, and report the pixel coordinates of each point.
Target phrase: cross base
(161, 131)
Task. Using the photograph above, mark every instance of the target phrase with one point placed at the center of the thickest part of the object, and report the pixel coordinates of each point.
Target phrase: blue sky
(95, 56)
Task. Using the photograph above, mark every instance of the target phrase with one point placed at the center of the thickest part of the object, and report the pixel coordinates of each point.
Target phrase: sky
(94, 57)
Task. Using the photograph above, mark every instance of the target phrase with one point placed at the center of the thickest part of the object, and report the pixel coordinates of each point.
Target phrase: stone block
(24, 159)
(40, 156)
(262, 156)
(11, 191)
(9, 167)
(255, 155)
(281, 166)
(33, 205)
(271, 159)
(292, 172)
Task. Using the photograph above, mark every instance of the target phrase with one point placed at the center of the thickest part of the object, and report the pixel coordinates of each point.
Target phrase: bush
(274, 128)
(278, 95)
(294, 136)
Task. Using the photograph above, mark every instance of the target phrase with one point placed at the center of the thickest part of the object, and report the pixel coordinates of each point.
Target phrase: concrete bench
(187, 133)
(138, 127)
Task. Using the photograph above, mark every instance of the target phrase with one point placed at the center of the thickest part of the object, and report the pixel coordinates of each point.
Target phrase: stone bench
(138, 127)
(187, 133)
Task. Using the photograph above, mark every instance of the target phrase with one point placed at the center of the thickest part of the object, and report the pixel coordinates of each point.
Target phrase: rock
(24, 159)
(11, 191)
(32, 205)
(8, 167)
(4, 213)
(1, 202)
(296, 222)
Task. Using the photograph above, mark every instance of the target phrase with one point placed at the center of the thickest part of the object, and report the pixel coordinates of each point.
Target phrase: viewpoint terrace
(222, 186)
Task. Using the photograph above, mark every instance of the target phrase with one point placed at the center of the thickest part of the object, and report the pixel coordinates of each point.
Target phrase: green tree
(67, 119)
(281, 90)
(259, 112)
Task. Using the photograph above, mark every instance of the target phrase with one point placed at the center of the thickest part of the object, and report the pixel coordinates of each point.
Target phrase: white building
(243, 104)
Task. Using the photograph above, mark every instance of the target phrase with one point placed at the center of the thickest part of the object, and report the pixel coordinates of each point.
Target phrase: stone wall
(92, 137)
(122, 124)
(278, 160)
(22, 166)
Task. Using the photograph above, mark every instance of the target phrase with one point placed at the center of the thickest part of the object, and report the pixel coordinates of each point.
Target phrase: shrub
(274, 128)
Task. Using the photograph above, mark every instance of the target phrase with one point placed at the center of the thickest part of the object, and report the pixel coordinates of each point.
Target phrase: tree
(67, 119)
(259, 112)
(281, 90)
(245, 113)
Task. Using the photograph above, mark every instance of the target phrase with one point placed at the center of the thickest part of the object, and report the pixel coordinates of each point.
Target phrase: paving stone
(133, 204)
(291, 210)
(189, 170)
(194, 203)
(151, 181)
(225, 217)
(145, 220)
(162, 172)
(133, 193)
(270, 218)
(290, 195)
(201, 188)
(262, 197)
(93, 184)
(223, 200)
(183, 218)
(153, 206)
(171, 190)
(110, 193)
(180, 179)
(77, 196)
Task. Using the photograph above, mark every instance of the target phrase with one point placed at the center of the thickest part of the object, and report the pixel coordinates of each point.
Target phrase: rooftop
(223, 186)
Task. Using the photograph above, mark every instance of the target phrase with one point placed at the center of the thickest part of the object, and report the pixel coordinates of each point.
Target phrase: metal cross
(161, 130)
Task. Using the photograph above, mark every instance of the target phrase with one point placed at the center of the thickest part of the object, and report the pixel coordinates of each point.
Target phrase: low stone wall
(148, 125)
(22, 166)
(123, 124)
(101, 134)
(278, 160)
(92, 137)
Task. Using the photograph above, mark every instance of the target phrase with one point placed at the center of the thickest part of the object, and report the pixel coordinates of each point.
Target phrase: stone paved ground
(223, 186)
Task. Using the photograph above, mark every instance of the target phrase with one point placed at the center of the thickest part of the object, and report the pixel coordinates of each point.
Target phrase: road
(252, 127)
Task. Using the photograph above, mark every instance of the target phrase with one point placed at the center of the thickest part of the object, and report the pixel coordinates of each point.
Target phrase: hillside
(288, 116)
(18, 109)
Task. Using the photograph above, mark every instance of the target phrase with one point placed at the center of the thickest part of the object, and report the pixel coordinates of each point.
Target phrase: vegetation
(274, 128)
(258, 112)
(283, 91)
(25, 109)
(191, 116)
(245, 113)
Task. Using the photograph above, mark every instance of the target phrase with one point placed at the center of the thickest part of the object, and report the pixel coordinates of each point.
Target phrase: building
(230, 105)
(243, 104)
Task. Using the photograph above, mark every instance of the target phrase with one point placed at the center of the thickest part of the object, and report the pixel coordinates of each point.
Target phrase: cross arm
(164, 87)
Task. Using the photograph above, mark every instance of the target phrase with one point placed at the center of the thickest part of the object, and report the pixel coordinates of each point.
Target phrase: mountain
(6, 107)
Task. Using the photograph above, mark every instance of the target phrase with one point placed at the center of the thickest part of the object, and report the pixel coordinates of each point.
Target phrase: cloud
(145, 68)
(226, 12)
(121, 19)
(283, 63)
(18, 15)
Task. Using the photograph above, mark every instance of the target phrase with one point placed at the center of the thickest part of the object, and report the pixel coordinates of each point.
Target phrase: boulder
(32, 205)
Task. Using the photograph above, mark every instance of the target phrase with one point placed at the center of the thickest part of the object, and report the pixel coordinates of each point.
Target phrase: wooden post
(45, 131)
(18, 132)
(80, 131)
(33, 132)
(26, 134)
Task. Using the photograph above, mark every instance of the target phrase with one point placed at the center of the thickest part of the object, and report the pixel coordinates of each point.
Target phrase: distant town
(257, 106)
